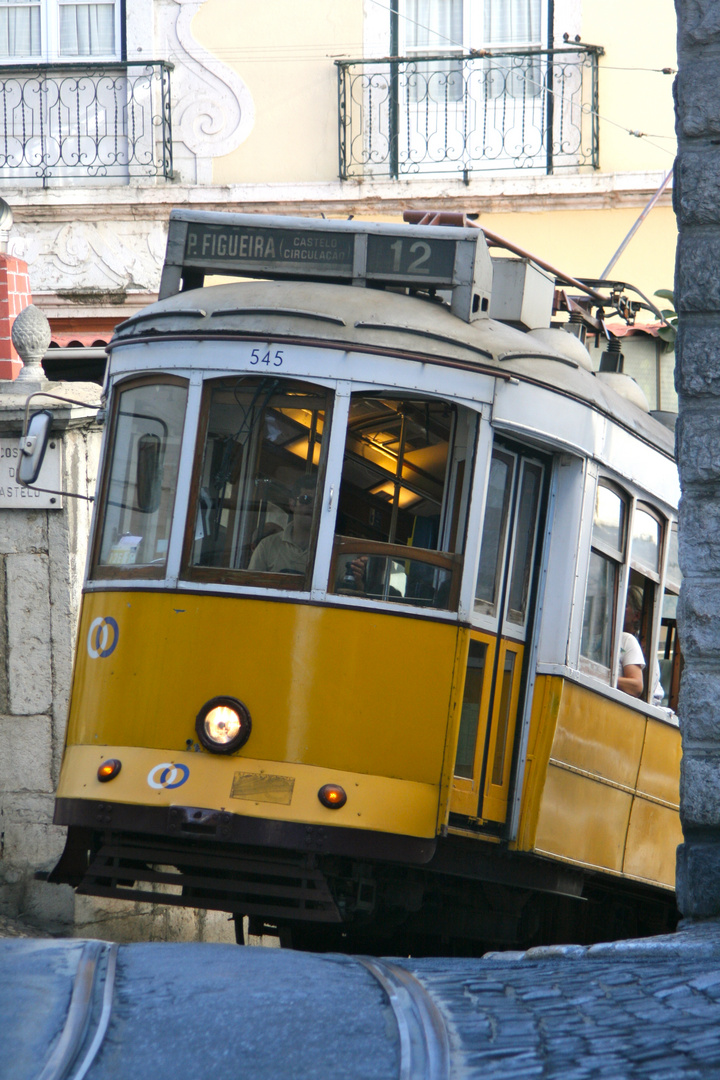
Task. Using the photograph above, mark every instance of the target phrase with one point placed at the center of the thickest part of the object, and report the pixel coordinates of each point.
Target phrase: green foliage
(668, 333)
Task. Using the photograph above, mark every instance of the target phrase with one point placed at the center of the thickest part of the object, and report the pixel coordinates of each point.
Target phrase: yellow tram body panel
(264, 789)
(322, 686)
(602, 784)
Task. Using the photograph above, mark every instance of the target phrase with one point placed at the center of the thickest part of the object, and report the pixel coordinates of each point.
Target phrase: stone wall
(42, 564)
(697, 296)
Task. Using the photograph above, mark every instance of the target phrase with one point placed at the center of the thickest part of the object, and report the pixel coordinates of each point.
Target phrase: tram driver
(286, 552)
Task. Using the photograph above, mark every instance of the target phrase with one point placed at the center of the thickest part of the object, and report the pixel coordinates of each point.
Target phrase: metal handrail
(98, 119)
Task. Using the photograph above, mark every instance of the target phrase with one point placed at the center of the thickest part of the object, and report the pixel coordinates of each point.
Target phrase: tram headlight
(223, 725)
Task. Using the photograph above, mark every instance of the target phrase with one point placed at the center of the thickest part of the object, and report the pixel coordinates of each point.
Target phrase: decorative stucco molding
(213, 111)
(91, 257)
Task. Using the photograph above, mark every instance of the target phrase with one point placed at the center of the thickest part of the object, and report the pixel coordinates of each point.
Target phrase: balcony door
(504, 604)
(459, 110)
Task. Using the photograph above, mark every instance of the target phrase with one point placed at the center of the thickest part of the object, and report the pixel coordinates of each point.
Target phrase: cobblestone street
(647, 1009)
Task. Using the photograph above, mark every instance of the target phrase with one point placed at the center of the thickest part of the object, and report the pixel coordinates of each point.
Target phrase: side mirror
(33, 446)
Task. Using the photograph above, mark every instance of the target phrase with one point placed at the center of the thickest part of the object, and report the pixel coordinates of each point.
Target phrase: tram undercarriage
(468, 898)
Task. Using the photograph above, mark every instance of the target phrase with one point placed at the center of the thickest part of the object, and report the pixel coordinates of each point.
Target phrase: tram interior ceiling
(390, 551)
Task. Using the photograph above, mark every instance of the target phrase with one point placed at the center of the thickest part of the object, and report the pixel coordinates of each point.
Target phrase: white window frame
(50, 34)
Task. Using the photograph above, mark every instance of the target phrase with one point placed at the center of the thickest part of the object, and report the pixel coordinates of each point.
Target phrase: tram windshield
(403, 496)
(139, 494)
(256, 508)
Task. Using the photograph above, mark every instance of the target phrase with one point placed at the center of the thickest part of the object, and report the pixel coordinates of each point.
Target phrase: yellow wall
(582, 242)
(284, 51)
(638, 38)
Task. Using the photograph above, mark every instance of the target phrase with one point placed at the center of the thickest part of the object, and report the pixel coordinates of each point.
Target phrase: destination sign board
(417, 257)
(429, 259)
(238, 246)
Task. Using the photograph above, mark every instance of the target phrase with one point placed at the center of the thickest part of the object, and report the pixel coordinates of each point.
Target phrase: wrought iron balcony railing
(462, 113)
(60, 121)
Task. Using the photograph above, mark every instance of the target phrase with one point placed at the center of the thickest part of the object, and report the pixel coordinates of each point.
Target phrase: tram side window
(403, 500)
(515, 481)
(669, 656)
(256, 481)
(606, 559)
(141, 479)
(646, 537)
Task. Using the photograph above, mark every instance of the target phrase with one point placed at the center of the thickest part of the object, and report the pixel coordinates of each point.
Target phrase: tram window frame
(609, 556)
(438, 569)
(489, 605)
(145, 571)
(647, 577)
(285, 581)
(667, 640)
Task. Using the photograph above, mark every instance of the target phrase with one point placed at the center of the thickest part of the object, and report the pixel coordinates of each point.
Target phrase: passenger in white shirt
(632, 659)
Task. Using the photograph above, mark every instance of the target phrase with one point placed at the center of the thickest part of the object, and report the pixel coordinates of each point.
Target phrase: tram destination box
(359, 253)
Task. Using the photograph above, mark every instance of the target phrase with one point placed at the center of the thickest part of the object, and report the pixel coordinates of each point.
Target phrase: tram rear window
(256, 505)
(140, 484)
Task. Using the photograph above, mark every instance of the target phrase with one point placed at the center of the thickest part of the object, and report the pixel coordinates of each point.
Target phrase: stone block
(698, 25)
(697, 282)
(49, 907)
(698, 98)
(699, 706)
(182, 924)
(29, 640)
(23, 531)
(700, 532)
(699, 619)
(118, 920)
(697, 355)
(700, 789)
(36, 846)
(26, 754)
(697, 191)
(216, 926)
(697, 436)
(697, 880)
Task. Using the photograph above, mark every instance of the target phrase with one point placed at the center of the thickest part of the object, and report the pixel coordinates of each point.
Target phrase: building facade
(551, 119)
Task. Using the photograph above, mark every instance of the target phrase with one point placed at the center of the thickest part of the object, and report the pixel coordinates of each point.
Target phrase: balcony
(458, 114)
(96, 123)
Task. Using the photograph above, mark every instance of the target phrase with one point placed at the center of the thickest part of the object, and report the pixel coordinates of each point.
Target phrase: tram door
(503, 606)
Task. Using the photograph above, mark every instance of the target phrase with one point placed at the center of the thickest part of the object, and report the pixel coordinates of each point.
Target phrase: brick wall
(15, 296)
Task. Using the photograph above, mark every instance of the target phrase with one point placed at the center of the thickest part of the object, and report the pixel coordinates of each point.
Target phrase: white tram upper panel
(370, 336)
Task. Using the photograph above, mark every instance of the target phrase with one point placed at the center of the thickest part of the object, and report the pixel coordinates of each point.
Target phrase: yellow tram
(348, 647)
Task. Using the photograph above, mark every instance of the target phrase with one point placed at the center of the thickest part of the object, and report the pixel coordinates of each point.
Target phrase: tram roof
(383, 322)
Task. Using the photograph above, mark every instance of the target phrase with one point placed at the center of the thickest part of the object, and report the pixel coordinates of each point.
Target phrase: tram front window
(403, 499)
(258, 472)
(139, 491)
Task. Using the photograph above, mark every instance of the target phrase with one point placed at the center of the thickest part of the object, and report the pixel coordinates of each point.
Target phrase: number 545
(275, 359)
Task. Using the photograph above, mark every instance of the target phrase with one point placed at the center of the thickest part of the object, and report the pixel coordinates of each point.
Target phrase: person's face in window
(631, 624)
(302, 504)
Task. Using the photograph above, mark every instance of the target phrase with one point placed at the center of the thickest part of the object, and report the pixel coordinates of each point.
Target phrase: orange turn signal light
(109, 770)
(332, 796)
